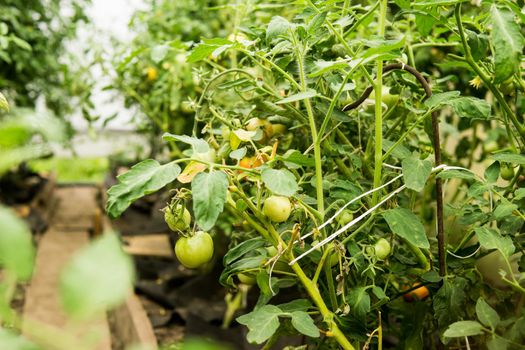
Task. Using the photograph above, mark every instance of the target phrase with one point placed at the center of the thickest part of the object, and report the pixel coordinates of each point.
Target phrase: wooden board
(129, 322)
(77, 208)
(55, 249)
(42, 304)
(131, 325)
(148, 245)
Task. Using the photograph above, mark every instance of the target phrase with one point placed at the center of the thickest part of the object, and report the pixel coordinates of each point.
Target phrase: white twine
(347, 226)
(329, 221)
(330, 238)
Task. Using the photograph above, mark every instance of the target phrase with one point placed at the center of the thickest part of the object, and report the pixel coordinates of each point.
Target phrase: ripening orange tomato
(416, 294)
(251, 162)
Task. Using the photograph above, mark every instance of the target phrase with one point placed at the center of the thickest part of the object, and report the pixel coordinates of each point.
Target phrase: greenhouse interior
(262, 174)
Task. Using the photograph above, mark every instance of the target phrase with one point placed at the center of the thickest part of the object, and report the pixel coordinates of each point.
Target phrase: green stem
(420, 256)
(378, 89)
(232, 305)
(313, 130)
(330, 281)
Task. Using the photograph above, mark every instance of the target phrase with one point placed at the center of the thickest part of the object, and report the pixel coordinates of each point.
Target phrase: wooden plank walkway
(68, 232)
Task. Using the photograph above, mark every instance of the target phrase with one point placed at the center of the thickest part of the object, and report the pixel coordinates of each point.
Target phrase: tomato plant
(382, 105)
(34, 58)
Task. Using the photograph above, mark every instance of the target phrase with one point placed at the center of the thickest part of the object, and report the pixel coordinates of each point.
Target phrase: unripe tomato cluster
(192, 251)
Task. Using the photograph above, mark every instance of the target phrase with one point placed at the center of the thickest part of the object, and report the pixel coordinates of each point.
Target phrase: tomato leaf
(241, 249)
(504, 209)
(305, 324)
(198, 145)
(278, 26)
(449, 299)
(238, 154)
(486, 314)
(507, 42)
(492, 239)
(441, 98)
(399, 151)
(143, 178)
(296, 157)
(511, 158)
(359, 301)
(296, 305)
(406, 225)
(462, 329)
(17, 253)
(298, 97)
(190, 171)
(262, 323)
(465, 107)
(280, 181)
(99, 277)
(416, 172)
(381, 46)
(457, 174)
(471, 107)
(209, 195)
(208, 47)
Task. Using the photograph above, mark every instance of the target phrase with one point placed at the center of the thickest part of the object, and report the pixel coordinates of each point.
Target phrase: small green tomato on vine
(177, 217)
(507, 172)
(277, 208)
(194, 251)
(345, 217)
(382, 249)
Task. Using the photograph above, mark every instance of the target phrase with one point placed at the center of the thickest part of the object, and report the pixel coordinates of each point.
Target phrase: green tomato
(338, 50)
(390, 100)
(382, 249)
(490, 146)
(194, 251)
(176, 220)
(247, 278)
(345, 217)
(334, 259)
(507, 172)
(187, 107)
(277, 208)
(272, 251)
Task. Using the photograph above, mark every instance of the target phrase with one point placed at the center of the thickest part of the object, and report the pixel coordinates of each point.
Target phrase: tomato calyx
(177, 217)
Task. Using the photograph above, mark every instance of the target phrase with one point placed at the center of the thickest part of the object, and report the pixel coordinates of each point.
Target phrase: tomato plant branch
(313, 129)
(437, 154)
(485, 76)
(308, 284)
(342, 40)
(378, 89)
(362, 19)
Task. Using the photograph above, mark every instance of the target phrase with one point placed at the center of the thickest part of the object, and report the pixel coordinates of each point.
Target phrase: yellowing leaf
(192, 169)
